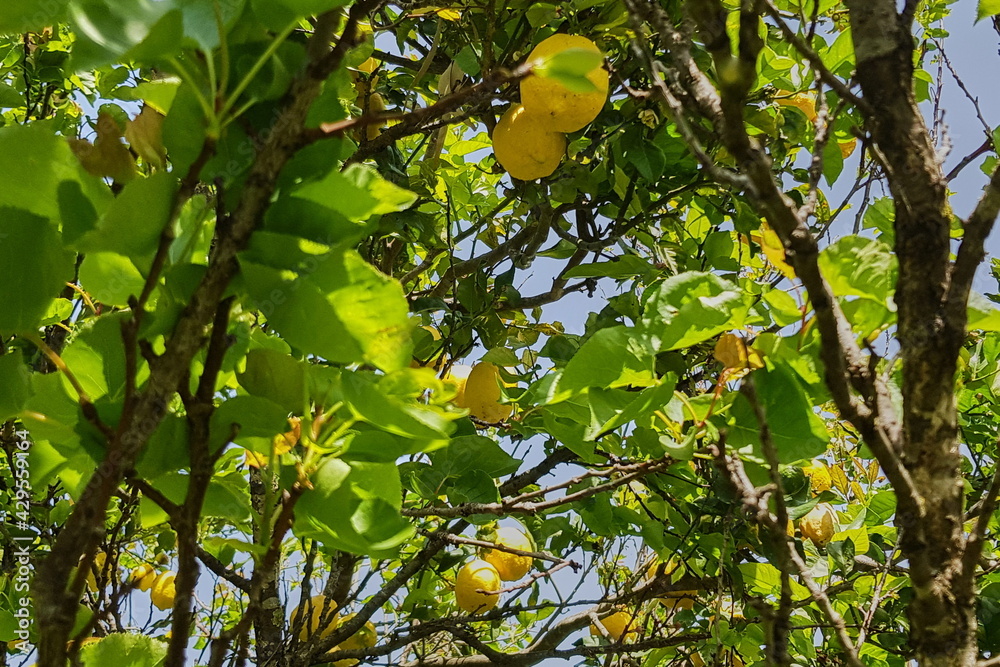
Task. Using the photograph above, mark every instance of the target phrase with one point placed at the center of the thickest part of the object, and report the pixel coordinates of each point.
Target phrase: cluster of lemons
(479, 581)
(323, 619)
(529, 140)
(145, 578)
(160, 585)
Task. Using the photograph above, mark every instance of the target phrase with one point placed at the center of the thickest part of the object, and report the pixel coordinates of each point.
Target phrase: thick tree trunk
(942, 615)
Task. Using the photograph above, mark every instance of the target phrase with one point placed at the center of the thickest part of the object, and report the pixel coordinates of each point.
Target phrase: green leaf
(110, 278)
(337, 306)
(125, 650)
(642, 405)
(982, 314)
(987, 8)
(391, 414)
(97, 358)
(250, 418)
(354, 508)
(357, 193)
(122, 30)
(570, 68)
(225, 498)
(20, 16)
(167, 450)
(797, 431)
(644, 155)
(373, 446)
(858, 266)
(299, 311)
(613, 357)
(134, 222)
(473, 452)
(625, 266)
(184, 129)
(372, 307)
(690, 308)
(34, 162)
(277, 377)
(36, 268)
(15, 385)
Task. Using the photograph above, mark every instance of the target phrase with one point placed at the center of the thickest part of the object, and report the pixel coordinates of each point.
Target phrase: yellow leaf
(839, 478)
(774, 250)
(858, 492)
(144, 134)
(107, 156)
(872, 471)
(735, 355)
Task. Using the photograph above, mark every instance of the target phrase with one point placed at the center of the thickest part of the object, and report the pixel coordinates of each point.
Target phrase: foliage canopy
(250, 247)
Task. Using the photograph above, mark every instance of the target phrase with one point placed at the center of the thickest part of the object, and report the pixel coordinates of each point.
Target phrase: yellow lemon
(362, 639)
(680, 599)
(819, 476)
(561, 108)
(819, 524)
(457, 376)
(143, 577)
(321, 611)
(804, 102)
(525, 147)
(98, 565)
(511, 567)
(163, 591)
(481, 394)
(616, 624)
(476, 576)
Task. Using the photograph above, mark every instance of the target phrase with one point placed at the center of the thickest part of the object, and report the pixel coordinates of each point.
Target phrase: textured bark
(942, 615)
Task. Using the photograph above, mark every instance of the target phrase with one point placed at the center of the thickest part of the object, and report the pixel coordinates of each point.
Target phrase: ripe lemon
(561, 108)
(481, 395)
(474, 576)
(819, 476)
(362, 639)
(525, 147)
(143, 577)
(819, 524)
(458, 375)
(511, 567)
(680, 599)
(320, 611)
(98, 565)
(163, 591)
(804, 102)
(616, 625)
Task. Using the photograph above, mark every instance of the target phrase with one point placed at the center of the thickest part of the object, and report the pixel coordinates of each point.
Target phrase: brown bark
(942, 614)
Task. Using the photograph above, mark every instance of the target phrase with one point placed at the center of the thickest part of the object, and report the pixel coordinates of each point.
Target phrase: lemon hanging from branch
(558, 61)
(475, 588)
(511, 567)
(525, 146)
(481, 396)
